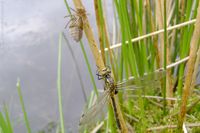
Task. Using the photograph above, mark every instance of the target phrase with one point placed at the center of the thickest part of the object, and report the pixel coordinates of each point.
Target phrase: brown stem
(169, 87)
(189, 74)
(99, 61)
(196, 68)
(99, 29)
(155, 38)
(90, 36)
(103, 32)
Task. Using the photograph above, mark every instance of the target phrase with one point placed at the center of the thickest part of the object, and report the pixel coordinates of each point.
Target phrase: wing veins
(95, 109)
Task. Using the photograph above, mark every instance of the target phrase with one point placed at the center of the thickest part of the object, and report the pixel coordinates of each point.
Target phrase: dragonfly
(110, 88)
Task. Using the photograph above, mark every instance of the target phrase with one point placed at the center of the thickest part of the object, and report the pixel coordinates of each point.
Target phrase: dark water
(28, 50)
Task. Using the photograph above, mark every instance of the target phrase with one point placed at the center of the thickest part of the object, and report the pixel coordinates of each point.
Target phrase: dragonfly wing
(91, 116)
(148, 80)
(137, 86)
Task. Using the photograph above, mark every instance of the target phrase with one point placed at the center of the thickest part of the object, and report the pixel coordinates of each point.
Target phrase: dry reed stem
(111, 55)
(170, 86)
(189, 74)
(99, 61)
(169, 90)
(90, 36)
(182, 8)
(155, 103)
(99, 29)
(96, 129)
(171, 65)
(153, 129)
(195, 70)
(153, 33)
(170, 12)
(159, 20)
(150, 97)
(160, 15)
(101, 32)
(155, 39)
(173, 39)
(178, 62)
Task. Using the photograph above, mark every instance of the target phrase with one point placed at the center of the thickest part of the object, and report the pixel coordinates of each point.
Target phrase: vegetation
(152, 35)
(5, 123)
(147, 36)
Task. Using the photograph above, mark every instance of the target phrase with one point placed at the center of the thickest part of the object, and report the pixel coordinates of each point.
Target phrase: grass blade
(59, 84)
(23, 106)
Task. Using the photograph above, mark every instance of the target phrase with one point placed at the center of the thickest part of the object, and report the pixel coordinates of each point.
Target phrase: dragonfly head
(104, 73)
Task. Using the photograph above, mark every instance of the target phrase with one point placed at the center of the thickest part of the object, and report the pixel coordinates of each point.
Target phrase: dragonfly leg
(73, 18)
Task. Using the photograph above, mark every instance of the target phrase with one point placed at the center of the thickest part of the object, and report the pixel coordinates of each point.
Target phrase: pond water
(28, 50)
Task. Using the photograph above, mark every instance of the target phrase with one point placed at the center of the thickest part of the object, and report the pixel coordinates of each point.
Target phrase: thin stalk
(67, 6)
(155, 50)
(23, 106)
(169, 82)
(189, 22)
(107, 41)
(89, 69)
(99, 26)
(196, 69)
(165, 58)
(161, 128)
(59, 84)
(77, 68)
(177, 31)
(159, 19)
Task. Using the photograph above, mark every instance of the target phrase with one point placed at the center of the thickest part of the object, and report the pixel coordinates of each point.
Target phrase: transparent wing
(91, 116)
(148, 80)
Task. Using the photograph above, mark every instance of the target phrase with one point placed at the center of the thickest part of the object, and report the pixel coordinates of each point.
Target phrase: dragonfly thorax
(110, 85)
